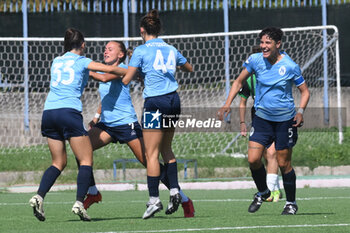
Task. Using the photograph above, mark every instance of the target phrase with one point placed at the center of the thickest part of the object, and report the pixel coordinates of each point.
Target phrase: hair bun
(153, 13)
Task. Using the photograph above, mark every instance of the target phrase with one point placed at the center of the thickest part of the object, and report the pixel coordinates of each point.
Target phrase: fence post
(325, 64)
(25, 65)
(126, 21)
(227, 55)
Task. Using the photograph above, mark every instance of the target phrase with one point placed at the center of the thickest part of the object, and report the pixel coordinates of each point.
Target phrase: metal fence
(141, 6)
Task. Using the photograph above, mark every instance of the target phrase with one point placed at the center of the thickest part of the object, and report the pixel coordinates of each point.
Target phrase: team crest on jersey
(248, 60)
(282, 70)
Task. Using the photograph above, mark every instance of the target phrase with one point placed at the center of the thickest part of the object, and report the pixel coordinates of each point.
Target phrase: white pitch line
(298, 199)
(203, 200)
(235, 228)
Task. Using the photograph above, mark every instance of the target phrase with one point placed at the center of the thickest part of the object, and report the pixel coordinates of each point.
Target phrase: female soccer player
(248, 89)
(116, 121)
(275, 119)
(62, 120)
(157, 61)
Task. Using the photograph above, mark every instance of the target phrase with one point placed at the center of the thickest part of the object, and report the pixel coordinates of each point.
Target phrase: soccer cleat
(270, 198)
(37, 203)
(275, 196)
(290, 209)
(91, 199)
(79, 210)
(173, 204)
(257, 202)
(188, 208)
(152, 209)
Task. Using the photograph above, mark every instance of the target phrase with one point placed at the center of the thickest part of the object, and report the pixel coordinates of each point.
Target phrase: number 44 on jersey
(159, 62)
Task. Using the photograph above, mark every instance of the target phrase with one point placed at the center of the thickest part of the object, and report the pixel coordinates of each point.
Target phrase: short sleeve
(136, 58)
(181, 60)
(298, 78)
(122, 65)
(249, 64)
(85, 62)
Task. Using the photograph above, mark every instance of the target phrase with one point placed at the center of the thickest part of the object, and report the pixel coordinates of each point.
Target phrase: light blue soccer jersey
(157, 60)
(273, 99)
(69, 76)
(117, 108)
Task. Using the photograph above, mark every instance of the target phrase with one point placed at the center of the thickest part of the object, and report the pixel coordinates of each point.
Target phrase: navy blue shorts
(62, 124)
(266, 132)
(122, 133)
(161, 112)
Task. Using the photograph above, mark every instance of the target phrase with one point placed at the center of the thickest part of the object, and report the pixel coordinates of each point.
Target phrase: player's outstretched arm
(304, 99)
(117, 71)
(106, 77)
(187, 67)
(129, 75)
(236, 86)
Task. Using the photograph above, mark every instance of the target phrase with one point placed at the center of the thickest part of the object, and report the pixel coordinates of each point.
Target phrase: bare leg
(152, 139)
(138, 148)
(99, 138)
(271, 159)
(165, 149)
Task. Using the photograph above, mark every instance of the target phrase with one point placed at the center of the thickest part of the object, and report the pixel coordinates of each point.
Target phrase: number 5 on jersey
(169, 66)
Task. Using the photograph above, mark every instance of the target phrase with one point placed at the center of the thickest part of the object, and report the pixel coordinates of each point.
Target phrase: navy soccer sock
(172, 175)
(259, 177)
(153, 186)
(92, 183)
(289, 184)
(163, 175)
(83, 181)
(48, 179)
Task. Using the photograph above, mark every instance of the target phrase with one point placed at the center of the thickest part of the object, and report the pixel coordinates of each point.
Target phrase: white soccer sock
(174, 191)
(291, 202)
(277, 187)
(271, 180)
(153, 200)
(184, 198)
(93, 190)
